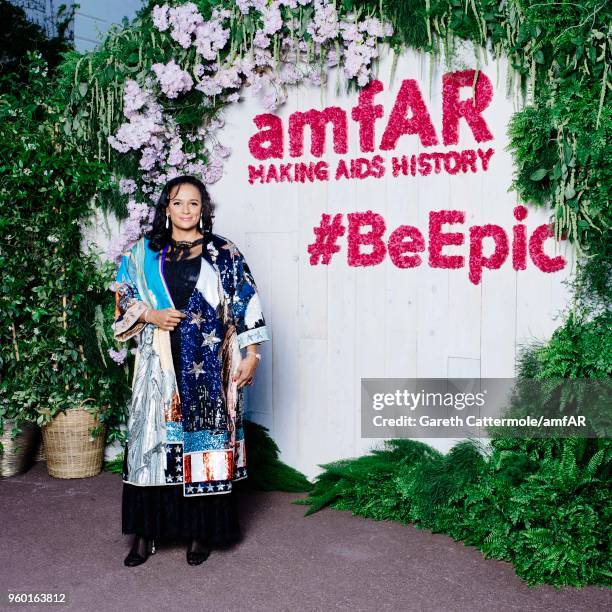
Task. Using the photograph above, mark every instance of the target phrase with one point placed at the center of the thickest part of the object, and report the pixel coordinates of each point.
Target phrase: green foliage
(266, 471)
(560, 140)
(579, 349)
(115, 466)
(50, 357)
(408, 17)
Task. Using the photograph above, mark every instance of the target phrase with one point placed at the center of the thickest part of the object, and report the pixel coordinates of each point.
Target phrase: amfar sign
(407, 124)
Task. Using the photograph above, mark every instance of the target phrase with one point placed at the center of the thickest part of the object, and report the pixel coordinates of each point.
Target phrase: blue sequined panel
(200, 381)
(210, 439)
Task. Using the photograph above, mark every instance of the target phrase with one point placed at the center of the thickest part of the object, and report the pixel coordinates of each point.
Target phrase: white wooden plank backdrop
(332, 325)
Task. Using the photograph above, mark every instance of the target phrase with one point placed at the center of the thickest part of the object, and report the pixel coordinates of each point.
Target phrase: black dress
(162, 512)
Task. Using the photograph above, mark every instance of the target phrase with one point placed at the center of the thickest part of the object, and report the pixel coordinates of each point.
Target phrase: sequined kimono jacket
(185, 419)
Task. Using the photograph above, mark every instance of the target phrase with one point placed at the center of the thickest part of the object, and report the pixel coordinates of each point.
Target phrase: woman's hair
(159, 235)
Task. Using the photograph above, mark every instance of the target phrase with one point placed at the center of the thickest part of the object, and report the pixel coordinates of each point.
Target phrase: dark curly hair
(159, 235)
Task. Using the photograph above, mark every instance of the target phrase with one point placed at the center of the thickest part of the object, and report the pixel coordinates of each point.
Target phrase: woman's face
(185, 206)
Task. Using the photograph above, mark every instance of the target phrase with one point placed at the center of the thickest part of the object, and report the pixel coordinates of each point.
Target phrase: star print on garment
(196, 368)
(197, 318)
(231, 247)
(210, 339)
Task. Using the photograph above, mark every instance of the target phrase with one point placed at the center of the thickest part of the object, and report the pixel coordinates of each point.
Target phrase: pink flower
(209, 86)
(289, 74)
(184, 19)
(118, 356)
(213, 172)
(127, 186)
(228, 78)
(272, 18)
(134, 98)
(172, 79)
(131, 230)
(324, 25)
(176, 156)
(273, 99)
(221, 151)
(160, 17)
(245, 65)
(373, 27)
(211, 36)
(261, 40)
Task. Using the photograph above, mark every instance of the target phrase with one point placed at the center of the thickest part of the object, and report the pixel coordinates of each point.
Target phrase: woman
(188, 297)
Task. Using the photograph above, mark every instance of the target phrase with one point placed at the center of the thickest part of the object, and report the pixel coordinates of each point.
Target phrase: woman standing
(188, 297)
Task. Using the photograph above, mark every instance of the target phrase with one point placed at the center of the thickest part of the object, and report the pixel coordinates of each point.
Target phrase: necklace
(182, 248)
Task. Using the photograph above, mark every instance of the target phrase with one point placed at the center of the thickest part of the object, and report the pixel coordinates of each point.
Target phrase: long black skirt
(163, 513)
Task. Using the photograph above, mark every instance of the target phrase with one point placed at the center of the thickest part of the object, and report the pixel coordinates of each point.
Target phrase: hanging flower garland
(295, 41)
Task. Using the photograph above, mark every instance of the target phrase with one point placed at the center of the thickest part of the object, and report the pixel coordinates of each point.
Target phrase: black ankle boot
(197, 552)
(141, 549)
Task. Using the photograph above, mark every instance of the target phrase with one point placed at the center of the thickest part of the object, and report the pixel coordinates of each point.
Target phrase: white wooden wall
(332, 325)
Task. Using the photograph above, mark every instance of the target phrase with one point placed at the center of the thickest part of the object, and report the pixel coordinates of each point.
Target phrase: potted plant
(19, 440)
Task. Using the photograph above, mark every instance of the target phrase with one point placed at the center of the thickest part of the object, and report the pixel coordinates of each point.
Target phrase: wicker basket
(19, 453)
(40, 455)
(70, 452)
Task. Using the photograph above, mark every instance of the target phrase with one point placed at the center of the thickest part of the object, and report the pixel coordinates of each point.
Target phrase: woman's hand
(246, 370)
(166, 318)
